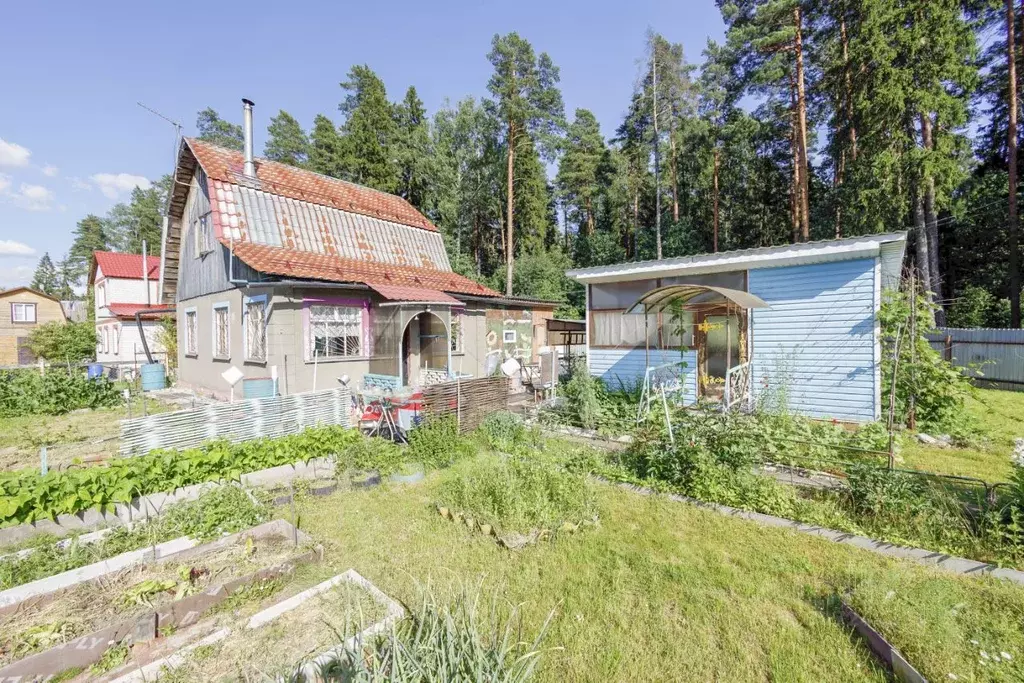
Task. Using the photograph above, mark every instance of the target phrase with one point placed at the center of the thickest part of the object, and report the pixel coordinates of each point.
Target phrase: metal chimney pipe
(250, 168)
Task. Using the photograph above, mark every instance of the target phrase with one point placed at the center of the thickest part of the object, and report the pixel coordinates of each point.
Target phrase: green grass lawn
(1000, 417)
(666, 591)
(69, 436)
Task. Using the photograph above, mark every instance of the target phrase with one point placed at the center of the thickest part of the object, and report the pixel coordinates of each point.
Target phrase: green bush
(26, 496)
(60, 342)
(518, 493)
(504, 431)
(371, 454)
(437, 443)
(58, 391)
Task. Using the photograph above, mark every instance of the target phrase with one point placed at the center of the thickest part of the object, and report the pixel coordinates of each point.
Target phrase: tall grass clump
(437, 443)
(519, 493)
(440, 642)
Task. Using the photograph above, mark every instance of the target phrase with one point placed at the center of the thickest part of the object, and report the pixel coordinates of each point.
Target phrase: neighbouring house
(122, 286)
(22, 310)
(300, 280)
(75, 310)
(808, 338)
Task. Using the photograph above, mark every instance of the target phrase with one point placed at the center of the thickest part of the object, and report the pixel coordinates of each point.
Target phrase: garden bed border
(950, 563)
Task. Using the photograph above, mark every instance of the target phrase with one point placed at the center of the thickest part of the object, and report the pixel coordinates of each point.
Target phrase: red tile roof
(295, 183)
(128, 266)
(129, 310)
(414, 294)
(309, 265)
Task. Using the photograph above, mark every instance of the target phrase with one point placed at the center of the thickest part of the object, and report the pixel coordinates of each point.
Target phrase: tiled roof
(225, 165)
(127, 266)
(414, 294)
(307, 265)
(129, 310)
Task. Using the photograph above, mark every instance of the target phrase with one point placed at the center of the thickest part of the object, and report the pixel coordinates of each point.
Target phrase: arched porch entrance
(426, 350)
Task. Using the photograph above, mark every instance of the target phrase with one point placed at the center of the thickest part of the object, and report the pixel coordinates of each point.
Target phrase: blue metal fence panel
(994, 355)
(814, 349)
(626, 367)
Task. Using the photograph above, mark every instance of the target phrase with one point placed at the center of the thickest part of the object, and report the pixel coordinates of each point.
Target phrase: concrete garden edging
(882, 648)
(88, 649)
(950, 563)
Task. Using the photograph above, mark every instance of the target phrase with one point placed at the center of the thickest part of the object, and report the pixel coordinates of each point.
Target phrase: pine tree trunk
(840, 170)
(714, 201)
(848, 82)
(631, 239)
(794, 145)
(657, 160)
(1011, 153)
(509, 209)
(590, 217)
(675, 174)
(921, 238)
(931, 222)
(801, 103)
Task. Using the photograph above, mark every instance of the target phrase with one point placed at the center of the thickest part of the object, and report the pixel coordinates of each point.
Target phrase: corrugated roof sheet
(309, 265)
(127, 266)
(129, 310)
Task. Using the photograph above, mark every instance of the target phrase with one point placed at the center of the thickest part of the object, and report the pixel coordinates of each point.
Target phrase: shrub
(504, 431)
(60, 342)
(437, 443)
(581, 395)
(443, 643)
(371, 454)
(56, 392)
(518, 493)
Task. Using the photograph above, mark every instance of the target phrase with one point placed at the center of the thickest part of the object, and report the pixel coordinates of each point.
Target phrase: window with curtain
(221, 331)
(613, 329)
(191, 323)
(23, 313)
(335, 331)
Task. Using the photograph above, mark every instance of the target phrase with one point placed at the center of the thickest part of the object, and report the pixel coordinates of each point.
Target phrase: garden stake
(295, 529)
(668, 422)
(42, 461)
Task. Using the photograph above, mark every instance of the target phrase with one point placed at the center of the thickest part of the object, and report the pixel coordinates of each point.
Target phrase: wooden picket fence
(470, 401)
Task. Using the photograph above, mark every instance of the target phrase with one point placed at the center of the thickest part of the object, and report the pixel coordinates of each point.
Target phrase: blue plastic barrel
(94, 371)
(153, 377)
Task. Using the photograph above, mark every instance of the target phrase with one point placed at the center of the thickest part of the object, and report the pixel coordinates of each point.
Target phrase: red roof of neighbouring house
(128, 266)
(296, 183)
(129, 311)
(309, 265)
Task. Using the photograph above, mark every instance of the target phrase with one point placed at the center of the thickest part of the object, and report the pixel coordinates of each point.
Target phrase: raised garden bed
(74, 625)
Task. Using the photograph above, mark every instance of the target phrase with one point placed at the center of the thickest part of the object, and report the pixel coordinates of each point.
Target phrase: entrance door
(720, 338)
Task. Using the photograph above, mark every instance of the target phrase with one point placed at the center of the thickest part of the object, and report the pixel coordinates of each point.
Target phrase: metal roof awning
(658, 300)
(413, 295)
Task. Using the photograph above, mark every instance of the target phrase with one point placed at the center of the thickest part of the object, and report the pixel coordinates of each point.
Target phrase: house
(122, 287)
(22, 310)
(808, 338)
(287, 274)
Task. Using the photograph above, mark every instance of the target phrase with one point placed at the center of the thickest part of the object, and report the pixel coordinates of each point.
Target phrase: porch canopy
(413, 295)
(657, 300)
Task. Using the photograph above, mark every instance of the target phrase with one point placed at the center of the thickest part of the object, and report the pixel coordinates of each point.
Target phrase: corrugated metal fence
(249, 419)
(995, 356)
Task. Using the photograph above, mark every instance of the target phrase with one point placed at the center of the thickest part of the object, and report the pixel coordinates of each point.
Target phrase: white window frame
(226, 307)
(509, 336)
(101, 294)
(192, 334)
(25, 307)
(340, 311)
(260, 300)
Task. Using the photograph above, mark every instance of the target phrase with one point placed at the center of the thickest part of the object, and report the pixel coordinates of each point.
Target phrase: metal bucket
(153, 376)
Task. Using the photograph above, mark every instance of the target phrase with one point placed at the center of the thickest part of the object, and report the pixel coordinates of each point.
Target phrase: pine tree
(212, 128)
(583, 153)
(91, 234)
(45, 278)
(139, 219)
(412, 149)
(286, 143)
(66, 279)
(529, 106)
(325, 149)
(369, 132)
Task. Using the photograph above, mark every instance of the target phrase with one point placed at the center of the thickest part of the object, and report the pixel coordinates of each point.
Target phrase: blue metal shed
(814, 350)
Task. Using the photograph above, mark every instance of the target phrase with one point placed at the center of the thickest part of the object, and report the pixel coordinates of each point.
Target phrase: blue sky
(73, 141)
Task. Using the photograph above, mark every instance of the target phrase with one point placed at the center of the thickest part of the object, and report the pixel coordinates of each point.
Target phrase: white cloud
(79, 184)
(16, 275)
(50, 171)
(5, 182)
(12, 248)
(113, 185)
(12, 154)
(28, 197)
